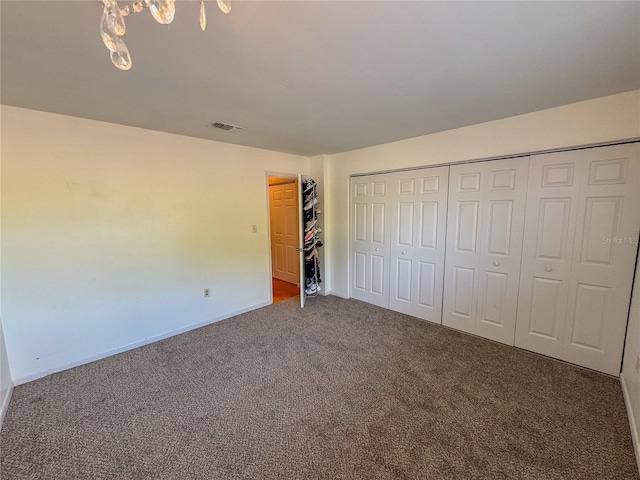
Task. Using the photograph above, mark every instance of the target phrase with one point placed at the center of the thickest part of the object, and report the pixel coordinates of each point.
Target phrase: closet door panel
(484, 244)
(501, 248)
(370, 239)
(419, 204)
(579, 255)
(463, 236)
(603, 258)
(546, 253)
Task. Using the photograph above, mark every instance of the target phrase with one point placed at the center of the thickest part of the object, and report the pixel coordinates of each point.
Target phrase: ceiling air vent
(224, 126)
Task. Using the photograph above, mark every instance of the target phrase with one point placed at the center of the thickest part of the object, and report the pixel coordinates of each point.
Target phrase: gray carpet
(341, 390)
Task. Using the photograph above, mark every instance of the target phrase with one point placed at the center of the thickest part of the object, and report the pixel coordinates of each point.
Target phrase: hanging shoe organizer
(311, 238)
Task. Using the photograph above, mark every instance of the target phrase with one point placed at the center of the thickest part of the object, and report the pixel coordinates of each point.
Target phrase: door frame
(268, 175)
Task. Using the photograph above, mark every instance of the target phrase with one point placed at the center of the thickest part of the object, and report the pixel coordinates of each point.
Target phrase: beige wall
(111, 233)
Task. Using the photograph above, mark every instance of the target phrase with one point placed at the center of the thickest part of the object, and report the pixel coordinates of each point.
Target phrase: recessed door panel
(281, 262)
(292, 260)
(360, 222)
(503, 179)
(360, 271)
(466, 226)
(377, 222)
(500, 212)
(278, 221)
(545, 296)
(379, 189)
(602, 215)
(377, 274)
(290, 227)
(427, 284)
(463, 291)
(469, 182)
(359, 190)
(558, 175)
(405, 224)
(403, 280)
(429, 225)
(553, 228)
(494, 298)
(589, 318)
(430, 185)
(406, 186)
(608, 171)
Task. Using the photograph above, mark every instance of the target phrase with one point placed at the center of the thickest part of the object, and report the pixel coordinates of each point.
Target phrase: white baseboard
(131, 346)
(5, 404)
(635, 435)
(338, 294)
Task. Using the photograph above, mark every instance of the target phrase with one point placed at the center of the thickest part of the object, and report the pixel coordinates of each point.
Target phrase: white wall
(111, 233)
(616, 117)
(630, 376)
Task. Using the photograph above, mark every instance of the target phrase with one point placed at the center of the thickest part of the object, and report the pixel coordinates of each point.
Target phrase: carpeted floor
(341, 390)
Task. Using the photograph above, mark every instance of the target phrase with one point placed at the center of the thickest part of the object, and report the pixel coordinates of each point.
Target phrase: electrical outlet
(207, 292)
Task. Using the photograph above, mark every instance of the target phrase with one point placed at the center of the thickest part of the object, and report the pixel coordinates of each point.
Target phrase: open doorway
(284, 223)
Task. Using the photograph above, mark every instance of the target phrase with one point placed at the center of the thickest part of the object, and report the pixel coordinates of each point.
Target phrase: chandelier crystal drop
(120, 57)
(116, 18)
(107, 32)
(112, 25)
(203, 17)
(162, 10)
(225, 5)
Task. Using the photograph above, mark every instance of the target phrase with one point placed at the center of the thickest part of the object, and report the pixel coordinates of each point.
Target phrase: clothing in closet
(311, 238)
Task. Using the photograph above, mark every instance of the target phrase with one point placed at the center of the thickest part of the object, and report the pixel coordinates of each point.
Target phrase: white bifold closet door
(370, 235)
(484, 243)
(418, 230)
(581, 239)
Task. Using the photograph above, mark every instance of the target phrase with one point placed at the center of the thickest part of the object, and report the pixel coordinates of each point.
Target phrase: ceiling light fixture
(112, 26)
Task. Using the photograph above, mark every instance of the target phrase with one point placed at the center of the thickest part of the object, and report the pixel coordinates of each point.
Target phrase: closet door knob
(547, 269)
(404, 253)
(496, 264)
(377, 249)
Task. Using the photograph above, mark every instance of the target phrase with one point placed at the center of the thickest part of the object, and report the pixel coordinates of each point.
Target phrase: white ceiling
(313, 77)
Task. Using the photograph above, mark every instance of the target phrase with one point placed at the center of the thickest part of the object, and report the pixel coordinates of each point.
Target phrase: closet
(536, 251)
(398, 240)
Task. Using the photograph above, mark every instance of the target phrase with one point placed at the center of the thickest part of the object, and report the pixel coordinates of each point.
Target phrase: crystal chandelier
(112, 26)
